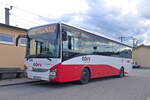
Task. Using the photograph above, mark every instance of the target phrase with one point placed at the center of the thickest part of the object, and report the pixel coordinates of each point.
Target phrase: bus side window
(67, 41)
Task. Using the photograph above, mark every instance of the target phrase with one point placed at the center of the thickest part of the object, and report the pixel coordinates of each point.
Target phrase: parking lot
(134, 87)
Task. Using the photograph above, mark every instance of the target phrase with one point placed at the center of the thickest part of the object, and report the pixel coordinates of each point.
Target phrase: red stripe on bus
(66, 73)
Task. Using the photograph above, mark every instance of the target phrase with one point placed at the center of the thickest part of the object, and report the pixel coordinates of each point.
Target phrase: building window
(23, 41)
(5, 38)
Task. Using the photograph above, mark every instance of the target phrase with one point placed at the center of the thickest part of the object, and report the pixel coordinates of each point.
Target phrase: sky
(113, 18)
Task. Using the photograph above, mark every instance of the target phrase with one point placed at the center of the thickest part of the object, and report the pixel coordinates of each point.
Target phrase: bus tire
(121, 73)
(85, 76)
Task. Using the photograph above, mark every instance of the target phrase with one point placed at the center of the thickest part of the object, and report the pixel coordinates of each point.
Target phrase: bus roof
(91, 32)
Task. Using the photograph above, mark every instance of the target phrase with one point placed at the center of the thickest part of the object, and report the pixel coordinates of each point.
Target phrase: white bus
(61, 53)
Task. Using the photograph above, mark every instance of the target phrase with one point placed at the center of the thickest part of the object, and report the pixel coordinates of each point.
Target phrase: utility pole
(7, 14)
(121, 38)
(134, 40)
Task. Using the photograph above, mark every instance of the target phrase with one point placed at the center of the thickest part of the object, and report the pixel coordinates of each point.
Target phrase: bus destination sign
(45, 29)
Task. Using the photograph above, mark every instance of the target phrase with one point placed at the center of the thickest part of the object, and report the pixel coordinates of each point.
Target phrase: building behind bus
(141, 55)
(11, 57)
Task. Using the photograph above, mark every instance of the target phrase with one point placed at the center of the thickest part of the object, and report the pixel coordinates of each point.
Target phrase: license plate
(37, 77)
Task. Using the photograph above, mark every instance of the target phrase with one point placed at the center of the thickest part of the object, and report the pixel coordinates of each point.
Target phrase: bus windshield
(43, 45)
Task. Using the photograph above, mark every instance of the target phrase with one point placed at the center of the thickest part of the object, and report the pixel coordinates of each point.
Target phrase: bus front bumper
(38, 76)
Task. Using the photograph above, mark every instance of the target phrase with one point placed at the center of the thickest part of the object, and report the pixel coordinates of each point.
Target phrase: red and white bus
(61, 53)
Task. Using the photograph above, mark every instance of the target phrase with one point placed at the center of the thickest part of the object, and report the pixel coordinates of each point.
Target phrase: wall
(142, 56)
(10, 55)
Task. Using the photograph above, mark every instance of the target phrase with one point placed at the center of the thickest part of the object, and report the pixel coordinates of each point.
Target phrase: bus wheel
(121, 72)
(85, 76)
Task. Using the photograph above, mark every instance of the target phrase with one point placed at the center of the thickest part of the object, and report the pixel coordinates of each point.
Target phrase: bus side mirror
(20, 36)
(64, 35)
(95, 47)
(69, 43)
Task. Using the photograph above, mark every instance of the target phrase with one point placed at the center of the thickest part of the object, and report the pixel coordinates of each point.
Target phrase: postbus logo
(37, 64)
(86, 59)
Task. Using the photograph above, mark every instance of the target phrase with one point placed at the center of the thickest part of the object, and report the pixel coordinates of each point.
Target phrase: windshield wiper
(39, 56)
(44, 56)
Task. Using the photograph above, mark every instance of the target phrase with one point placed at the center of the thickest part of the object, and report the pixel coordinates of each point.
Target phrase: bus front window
(43, 46)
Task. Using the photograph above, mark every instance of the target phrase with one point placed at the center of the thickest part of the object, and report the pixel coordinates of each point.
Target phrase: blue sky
(114, 18)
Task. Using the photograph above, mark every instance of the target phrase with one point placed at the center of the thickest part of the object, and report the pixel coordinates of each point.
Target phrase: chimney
(7, 15)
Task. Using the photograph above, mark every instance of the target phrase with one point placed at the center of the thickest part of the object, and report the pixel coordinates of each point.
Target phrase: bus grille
(39, 70)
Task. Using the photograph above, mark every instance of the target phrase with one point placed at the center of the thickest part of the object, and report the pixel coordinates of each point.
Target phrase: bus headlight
(52, 73)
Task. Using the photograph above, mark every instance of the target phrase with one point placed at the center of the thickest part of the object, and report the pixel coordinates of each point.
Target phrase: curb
(19, 83)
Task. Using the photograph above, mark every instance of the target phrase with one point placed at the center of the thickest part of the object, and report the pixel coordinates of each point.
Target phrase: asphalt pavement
(136, 86)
